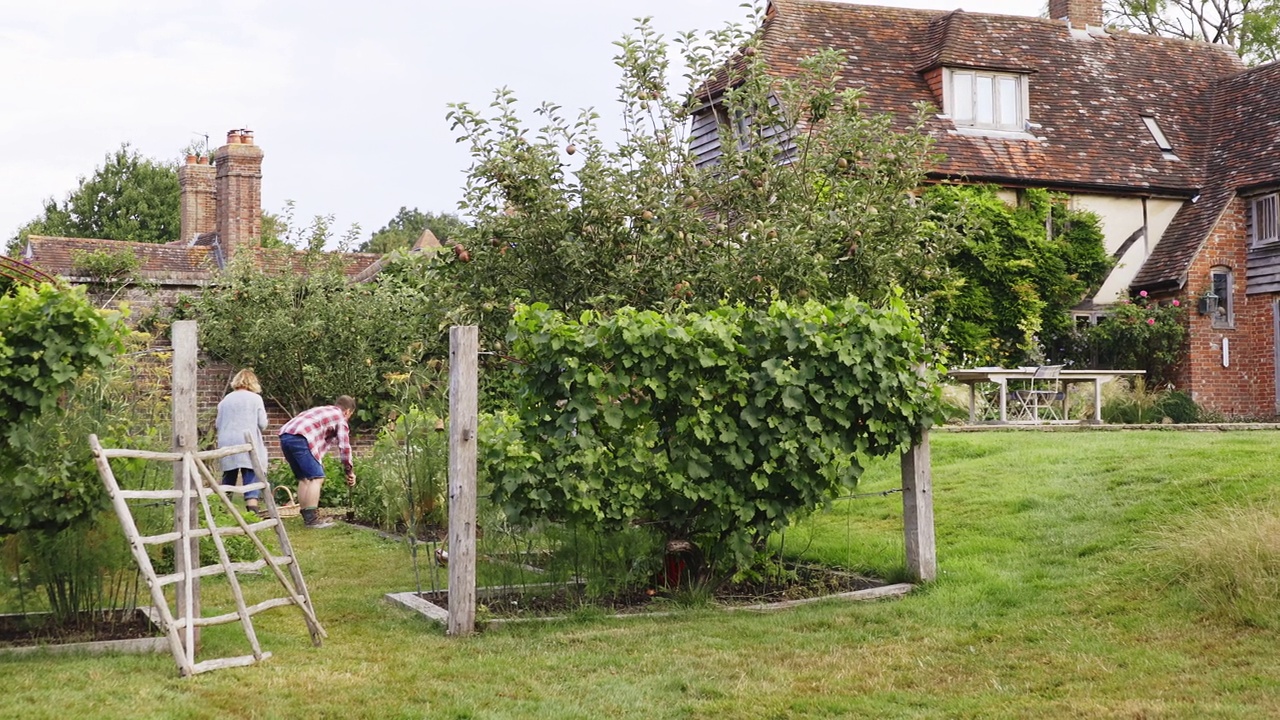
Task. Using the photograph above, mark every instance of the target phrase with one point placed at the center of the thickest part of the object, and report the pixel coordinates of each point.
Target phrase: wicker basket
(288, 508)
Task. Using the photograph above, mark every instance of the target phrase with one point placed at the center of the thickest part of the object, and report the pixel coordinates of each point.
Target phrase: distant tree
(403, 230)
(1252, 27)
(129, 197)
(274, 228)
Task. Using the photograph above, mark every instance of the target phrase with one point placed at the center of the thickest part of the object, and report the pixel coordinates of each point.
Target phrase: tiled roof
(284, 260)
(173, 263)
(1087, 93)
(1166, 268)
(1246, 148)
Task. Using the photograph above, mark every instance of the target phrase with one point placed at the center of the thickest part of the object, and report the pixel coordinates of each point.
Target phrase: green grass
(1064, 591)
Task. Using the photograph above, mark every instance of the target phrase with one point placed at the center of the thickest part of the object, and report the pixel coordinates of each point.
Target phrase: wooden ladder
(200, 483)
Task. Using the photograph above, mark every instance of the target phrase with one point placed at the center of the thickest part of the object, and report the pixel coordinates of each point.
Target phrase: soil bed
(44, 629)
(808, 581)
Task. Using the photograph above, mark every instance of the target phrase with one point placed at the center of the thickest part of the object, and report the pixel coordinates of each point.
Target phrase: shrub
(1140, 335)
(1179, 407)
(53, 341)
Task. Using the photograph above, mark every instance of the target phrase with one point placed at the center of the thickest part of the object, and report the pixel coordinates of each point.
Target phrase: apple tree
(565, 217)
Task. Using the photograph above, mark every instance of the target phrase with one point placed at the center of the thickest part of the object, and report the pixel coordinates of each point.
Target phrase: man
(305, 439)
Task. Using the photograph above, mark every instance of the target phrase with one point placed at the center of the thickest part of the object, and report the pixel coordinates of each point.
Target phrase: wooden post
(185, 439)
(917, 511)
(463, 356)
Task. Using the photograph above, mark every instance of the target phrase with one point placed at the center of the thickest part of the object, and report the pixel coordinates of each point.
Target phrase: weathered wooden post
(917, 510)
(186, 555)
(464, 346)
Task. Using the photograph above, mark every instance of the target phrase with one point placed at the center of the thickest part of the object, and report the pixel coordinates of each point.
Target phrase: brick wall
(212, 383)
(1246, 388)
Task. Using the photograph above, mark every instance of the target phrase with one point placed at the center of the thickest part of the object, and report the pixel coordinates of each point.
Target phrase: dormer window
(986, 100)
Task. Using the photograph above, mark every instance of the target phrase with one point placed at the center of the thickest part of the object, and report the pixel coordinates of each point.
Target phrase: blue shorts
(229, 478)
(298, 454)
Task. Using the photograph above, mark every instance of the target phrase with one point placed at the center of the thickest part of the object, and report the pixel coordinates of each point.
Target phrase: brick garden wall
(212, 384)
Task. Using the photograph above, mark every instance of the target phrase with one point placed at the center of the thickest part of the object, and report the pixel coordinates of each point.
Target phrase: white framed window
(988, 100)
(1264, 218)
(1221, 282)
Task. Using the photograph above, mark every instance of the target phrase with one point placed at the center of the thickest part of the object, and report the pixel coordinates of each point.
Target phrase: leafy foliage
(403, 482)
(106, 266)
(403, 230)
(311, 335)
(1018, 282)
(130, 197)
(1251, 27)
(716, 428)
(52, 336)
(1140, 334)
(563, 219)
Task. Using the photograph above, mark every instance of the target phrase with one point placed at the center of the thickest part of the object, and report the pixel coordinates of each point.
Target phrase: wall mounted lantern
(1208, 304)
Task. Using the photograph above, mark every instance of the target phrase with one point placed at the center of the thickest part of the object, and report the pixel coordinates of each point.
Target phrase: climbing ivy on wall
(1019, 280)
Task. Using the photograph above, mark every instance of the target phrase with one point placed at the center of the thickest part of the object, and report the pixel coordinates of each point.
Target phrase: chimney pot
(191, 159)
(246, 137)
(233, 137)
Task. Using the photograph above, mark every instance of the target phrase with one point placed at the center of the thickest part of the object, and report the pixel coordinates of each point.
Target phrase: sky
(347, 100)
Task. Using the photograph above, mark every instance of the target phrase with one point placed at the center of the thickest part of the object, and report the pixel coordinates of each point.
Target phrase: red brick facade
(1080, 13)
(213, 382)
(199, 205)
(239, 189)
(1245, 387)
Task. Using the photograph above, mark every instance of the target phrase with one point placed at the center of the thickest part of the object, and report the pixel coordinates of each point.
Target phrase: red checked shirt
(321, 426)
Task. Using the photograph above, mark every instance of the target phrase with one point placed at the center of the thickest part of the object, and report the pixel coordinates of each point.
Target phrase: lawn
(1056, 598)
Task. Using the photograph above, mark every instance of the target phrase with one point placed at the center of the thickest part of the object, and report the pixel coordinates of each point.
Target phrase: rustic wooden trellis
(196, 485)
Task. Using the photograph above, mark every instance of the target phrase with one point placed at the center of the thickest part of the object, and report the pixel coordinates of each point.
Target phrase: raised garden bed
(546, 601)
(122, 631)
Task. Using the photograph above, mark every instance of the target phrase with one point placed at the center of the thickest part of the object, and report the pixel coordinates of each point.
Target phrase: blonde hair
(246, 380)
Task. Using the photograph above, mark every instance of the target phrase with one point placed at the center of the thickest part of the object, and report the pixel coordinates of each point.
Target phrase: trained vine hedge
(715, 428)
(49, 337)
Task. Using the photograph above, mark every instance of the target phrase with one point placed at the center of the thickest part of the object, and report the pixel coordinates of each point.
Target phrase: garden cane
(351, 508)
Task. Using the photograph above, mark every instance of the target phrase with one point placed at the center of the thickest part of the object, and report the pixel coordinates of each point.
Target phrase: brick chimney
(1078, 13)
(239, 192)
(198, 203)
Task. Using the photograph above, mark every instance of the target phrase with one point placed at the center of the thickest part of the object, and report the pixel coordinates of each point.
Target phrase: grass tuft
(1228, 559)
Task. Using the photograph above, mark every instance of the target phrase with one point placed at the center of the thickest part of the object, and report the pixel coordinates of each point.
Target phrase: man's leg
(309, 500)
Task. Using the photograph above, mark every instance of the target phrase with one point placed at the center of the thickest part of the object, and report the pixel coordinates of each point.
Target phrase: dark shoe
(318, 524)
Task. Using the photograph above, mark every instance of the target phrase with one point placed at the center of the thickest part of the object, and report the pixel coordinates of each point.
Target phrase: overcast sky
(346, 99)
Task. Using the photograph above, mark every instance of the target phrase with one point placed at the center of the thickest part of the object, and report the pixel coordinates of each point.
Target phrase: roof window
(1157, 134)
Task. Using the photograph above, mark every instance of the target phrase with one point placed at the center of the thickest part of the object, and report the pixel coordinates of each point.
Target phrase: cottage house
(1174, 144)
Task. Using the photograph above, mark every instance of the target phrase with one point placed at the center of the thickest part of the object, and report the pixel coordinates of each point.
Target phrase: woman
(240, 412)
